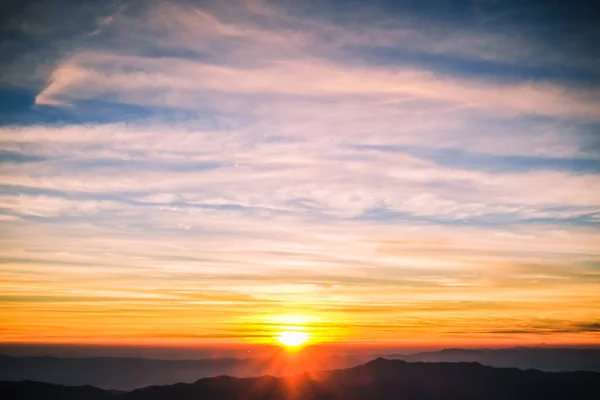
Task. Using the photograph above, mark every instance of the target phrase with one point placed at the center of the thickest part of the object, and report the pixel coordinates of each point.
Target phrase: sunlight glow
(292, 338)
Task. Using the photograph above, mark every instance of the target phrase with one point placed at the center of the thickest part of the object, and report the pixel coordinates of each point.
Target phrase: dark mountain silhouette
(133, 373)
(26, 390)
(378, 379)
(542, 358)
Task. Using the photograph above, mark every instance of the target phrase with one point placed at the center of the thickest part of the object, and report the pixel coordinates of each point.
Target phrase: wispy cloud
(181, 83)
(360, 169)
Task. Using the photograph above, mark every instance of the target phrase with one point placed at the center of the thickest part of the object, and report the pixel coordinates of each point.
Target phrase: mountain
(133, 373)
(26, 390)
(378, 379)
(542, 358)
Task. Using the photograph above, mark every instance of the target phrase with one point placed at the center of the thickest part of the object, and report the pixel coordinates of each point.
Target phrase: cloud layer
(214, 170)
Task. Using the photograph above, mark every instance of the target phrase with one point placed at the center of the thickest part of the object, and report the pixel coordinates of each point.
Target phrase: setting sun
(292, 338)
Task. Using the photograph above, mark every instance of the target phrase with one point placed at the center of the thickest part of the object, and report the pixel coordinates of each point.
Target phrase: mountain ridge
(128, 373)
(378, 379)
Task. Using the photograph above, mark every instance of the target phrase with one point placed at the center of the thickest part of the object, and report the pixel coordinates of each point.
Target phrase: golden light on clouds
(216, 179)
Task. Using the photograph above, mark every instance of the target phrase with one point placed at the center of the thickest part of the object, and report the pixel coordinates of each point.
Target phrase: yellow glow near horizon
(292, 338)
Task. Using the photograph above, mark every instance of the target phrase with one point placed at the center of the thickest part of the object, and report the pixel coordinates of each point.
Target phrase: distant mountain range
(542, 358)
(378, 379)
(133, 373)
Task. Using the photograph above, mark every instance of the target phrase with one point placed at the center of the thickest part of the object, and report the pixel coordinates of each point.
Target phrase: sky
(367, 172)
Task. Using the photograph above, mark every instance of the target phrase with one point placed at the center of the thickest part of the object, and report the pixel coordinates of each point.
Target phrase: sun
(292, 338)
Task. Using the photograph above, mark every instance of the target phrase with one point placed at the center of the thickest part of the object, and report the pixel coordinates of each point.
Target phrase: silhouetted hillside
(545, 359)
(26, 390)
(378, 379)
(133, 373)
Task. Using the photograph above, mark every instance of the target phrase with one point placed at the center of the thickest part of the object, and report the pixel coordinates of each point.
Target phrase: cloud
(588, 327)
(181, 83)
(276, 166)
(191, 169)
(580, 327)
(182, 56)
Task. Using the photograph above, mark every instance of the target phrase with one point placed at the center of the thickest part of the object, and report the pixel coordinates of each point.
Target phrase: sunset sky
(367, 172)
